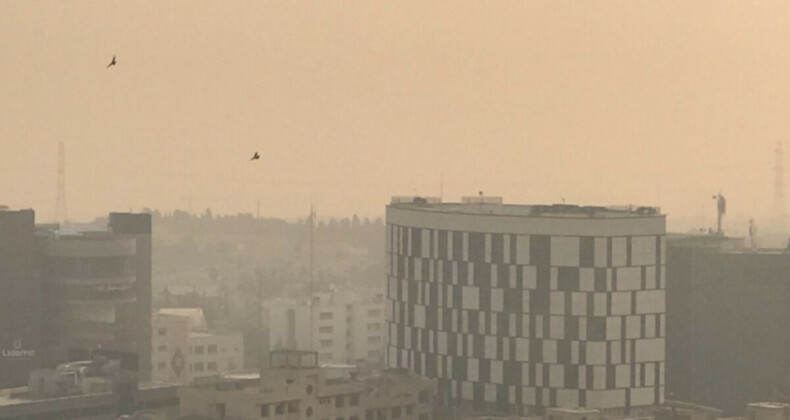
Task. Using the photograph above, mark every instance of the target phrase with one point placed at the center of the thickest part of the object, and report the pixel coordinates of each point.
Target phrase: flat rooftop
(495, 206)
(772, 405)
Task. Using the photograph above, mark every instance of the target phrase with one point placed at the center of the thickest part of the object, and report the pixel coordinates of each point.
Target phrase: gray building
(20, 298)
(516, 308)
(68, 296)
(729, 315)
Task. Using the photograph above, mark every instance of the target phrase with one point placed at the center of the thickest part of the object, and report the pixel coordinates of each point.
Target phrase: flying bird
(256, 156)
(112, 63)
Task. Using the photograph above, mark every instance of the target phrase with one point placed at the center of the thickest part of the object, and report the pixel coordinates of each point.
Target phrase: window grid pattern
(533, 320)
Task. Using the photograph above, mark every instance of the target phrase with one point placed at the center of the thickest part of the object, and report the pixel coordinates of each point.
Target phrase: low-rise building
(295, 387)
(184, 353)
(98, 389)
(768, 411)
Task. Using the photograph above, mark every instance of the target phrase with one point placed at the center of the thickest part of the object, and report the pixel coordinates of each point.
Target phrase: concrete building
(184, 352)
(345, 327)
(66, 296)
(768, 411)
(727, 307)
(21, 293)
(516, 308)
(295, 387)
(98, 292)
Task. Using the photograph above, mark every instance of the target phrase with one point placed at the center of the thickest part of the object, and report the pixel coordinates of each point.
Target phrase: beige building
(184, 352)
(768, 411)
(294, 387)
(341, 327)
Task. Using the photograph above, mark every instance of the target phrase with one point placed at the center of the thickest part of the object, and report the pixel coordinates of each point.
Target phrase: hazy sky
(599, 102)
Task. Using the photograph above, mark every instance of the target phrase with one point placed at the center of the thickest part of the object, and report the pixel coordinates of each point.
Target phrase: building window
(309, 390)
(309, 411)
(325, 401)
(369, 415)
(424, 396)
(374, 340)
(325, 330)
(326, 343)
(353, 400)
(293, 407)
(199, 349)
(373, 354)
(211, 366)
(325, 315)
(374, 312)
(265, 410)
(161, 366)
(219, 410)
(212, 349)
(198, 367)
(376, 326)
(409, 410)
(424, 416)
(161, 332)
(395, 412)
(162, 348)
(280, 409)
(339, 402)
(353, 418)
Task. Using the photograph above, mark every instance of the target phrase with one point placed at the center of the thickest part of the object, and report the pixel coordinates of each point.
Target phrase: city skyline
(596, 103)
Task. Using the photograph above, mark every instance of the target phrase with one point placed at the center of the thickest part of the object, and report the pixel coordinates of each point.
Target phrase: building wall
(344, 330)
(529, 312)
(89, 278)
(138, 227)
(170, 356)
(293, 393)
(215, 354)
(181, 356)
(728, 315)
(20, 299)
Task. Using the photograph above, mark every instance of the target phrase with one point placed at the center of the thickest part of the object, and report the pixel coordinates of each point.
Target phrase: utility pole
(60, 202)
(779, 201)
(260, 322)
(312, 251)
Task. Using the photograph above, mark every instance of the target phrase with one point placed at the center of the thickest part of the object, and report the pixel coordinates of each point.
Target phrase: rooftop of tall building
(495, 206)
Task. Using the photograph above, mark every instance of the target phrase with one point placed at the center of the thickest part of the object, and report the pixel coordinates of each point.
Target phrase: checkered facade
(529, 320)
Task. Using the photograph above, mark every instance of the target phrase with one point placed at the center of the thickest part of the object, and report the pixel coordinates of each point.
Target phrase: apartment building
(185, 353)
(344, 328)
(295, 387)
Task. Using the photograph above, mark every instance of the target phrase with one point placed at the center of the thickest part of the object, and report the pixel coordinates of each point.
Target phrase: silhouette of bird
(256, 156)
(112, 63)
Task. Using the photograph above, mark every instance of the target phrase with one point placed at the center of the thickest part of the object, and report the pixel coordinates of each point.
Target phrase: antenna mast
(312, 247)
(779, 201)
(60, 203)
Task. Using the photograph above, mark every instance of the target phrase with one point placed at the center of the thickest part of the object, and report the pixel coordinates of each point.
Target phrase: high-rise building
(727, 307)
(68, 296)
(99, 291)
(515, 308)
(20, 298)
